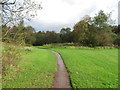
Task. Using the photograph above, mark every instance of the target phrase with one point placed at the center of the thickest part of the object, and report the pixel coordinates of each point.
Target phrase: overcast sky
(57, 14)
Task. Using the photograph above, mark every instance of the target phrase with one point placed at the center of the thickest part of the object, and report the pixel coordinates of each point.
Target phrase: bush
(104, 39)
(11, 55)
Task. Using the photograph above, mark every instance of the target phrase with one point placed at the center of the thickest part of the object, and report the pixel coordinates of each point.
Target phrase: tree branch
(6, 3)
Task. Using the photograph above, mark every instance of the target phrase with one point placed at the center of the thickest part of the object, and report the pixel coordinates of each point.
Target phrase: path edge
(65, 67)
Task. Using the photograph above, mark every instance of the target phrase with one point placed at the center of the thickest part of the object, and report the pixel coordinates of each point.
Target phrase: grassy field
(36, 70)
(91, 68)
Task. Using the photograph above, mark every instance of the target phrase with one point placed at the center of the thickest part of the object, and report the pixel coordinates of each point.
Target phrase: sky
(119, 13)
(57, 14)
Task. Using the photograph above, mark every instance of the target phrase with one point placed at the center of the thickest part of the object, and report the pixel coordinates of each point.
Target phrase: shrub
(11, 55)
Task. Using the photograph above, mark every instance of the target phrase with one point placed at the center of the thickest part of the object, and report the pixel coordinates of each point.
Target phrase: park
(82, 55)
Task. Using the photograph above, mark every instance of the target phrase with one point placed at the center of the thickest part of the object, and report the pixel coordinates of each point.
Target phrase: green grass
(36, 70)
(91, 68)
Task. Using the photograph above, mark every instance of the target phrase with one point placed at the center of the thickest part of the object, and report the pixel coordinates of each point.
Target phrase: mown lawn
(36, 70)
(91, 68)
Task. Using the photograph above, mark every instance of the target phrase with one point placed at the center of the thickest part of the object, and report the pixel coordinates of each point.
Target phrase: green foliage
(13, 34)
(52, 37)
(35, 70)
(101, 20)
(40, 39)
(65, 30)
(29, 35)
(80, 31)
(94, 32)
(90, 31)
(46, 38)
(65, 35)
(91, 68)
(103, 39)
(117, 40)
(18, 34)
(13, 38)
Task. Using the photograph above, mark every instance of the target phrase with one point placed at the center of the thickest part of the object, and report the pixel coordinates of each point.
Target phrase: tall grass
(76, 45)
(11, 55)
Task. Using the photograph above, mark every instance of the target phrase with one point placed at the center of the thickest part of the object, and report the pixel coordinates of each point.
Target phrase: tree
(94, 31)
(101, 20)
(40, 38)
(65, 30)
(19, 34)
(104, 34)
(80, 32)
(14, 12)
(52, 37)
(13, 34)
(116, 30)
(117, 40)
(65, 35)
(46, 38)
(29, 35)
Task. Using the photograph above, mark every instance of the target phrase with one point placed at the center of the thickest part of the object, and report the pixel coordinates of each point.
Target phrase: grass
(35, 70)
(11, 55)
(91, 68)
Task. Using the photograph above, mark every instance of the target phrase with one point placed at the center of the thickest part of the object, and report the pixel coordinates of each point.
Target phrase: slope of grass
(35, 70)
(91, 68)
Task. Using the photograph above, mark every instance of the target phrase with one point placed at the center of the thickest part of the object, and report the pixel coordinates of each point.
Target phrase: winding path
(62, 76)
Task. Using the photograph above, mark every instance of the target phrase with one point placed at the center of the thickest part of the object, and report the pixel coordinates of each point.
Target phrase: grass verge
(91, 68)
(35, 70)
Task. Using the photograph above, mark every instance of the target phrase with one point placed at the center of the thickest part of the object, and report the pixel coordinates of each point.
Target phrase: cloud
(119, 13)
(60, 13)
(40, 26)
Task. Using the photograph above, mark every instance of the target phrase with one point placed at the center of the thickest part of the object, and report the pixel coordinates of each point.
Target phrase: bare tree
(14, 11)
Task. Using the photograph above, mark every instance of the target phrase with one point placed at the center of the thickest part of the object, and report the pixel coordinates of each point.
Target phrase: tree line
(89, 31)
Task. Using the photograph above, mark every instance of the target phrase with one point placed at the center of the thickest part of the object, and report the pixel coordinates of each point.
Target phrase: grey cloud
(39, 26)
